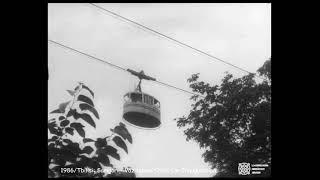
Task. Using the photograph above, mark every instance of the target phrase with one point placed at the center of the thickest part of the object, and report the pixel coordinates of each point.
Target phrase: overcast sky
(237, 33)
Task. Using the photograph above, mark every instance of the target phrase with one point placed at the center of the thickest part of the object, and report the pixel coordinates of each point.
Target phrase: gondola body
(141, 110)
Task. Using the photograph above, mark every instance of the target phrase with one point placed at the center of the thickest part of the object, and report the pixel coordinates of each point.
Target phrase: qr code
(244, 168)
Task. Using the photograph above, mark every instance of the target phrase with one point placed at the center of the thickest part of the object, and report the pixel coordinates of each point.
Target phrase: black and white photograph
(159, 90)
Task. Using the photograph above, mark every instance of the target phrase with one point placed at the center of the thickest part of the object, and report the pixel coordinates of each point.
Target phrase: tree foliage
(233, 122)
(68, 158)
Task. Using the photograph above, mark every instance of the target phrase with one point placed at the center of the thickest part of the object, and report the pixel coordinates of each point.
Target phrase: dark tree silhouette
(232, 122)
(86, 157)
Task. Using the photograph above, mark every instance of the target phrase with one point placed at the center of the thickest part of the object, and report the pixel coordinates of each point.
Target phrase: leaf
(123, 132)
(104, 159)
(121, 124)
(85, 106)
(119, 142)
(62, 118)
(62, 106)
(87, 150)
(52, 128)
(55, 131)
(55, 111)
(73, 147)
(79, 128)
(86, 117)
(68, 141)
(64, 123)
(53, 138)
(85, 87)
(74, 113)
(85, 140)
(109, 150)
(101, 142)
(85, 99)
(76, 88)
(71, 92)
(52, 124)
(81, 132)
(69, 130)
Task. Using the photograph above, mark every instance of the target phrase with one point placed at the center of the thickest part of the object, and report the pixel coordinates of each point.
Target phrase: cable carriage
(141, 109)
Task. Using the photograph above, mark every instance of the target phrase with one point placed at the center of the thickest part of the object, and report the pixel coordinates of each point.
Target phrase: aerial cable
(140, 75)
(174, 40)
(88, 55)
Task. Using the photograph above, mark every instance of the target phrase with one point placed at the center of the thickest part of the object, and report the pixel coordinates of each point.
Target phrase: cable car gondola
(141, 109)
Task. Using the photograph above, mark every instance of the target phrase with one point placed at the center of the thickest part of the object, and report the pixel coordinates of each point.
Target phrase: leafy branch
(64, 152)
